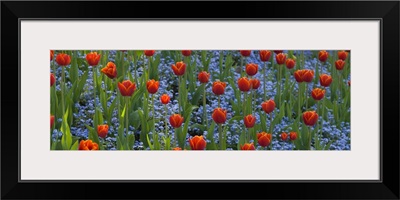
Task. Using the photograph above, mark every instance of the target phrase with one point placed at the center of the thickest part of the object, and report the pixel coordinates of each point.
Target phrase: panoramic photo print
(264, 100)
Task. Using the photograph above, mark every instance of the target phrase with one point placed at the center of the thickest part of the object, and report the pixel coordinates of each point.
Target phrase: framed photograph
(281, 95)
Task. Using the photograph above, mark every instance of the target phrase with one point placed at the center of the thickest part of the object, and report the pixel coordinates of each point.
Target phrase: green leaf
(197, 94)
(75, 145)
(66, 139)
(131, 141)
(93, 134)
(149, 143)
(263, 121)
(210, 136)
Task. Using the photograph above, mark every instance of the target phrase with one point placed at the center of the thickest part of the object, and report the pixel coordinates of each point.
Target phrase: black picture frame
(386, 11)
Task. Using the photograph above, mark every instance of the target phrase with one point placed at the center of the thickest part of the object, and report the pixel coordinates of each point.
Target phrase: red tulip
(149, 53)
(325, 80)
(284, 136)
(268, 106)
(186, 52)
(247, 146)
(308, 75)
(251, 69)
(93, 58)
(102, 130)
(310, 118)
(255, 83)
(219, 115)
(342, 55)
(63, 59)
(280, 58)
(249, 121)
(176, 120)
(278, 51)
(51, 54)
(323, 56)
(177, 149)
(126, 88)
(244, 84)
(52, 79)
(88, 145)
(265, 55)
(179, 68)
(317, 94)
(204, 77)
(293, 135)
(218, 87)
(164, 99)
(298, 75)
(110, 70)
(264, 139)
(245, 53)
(152, 86)
(51, 120)
(348, 83)
(339, 64)
(290, 63)
(197, 143)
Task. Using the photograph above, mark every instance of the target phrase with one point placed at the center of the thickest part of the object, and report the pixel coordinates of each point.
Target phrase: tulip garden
(200, 100)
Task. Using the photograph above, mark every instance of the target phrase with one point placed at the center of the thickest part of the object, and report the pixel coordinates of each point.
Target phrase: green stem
(204, 108)
(264, 80)
(154, 114)
(244, 103)
(220, 135)
(241, 65)
(270, 122)
(126, 113)
(306, 95)
(179, 94)
(135, 67)
(280, 85)
(94, 86)
(299, 101)
(219, 101)
(149, 60)
(62, 90)
(309, 136)
(165, 120)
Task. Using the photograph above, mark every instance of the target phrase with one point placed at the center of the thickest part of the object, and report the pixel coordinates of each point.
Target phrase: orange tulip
(204, 77)
(51, 54)
(339, 64)
(290, 63)
(179, 68)
(348, 83)
(93, 58)
(219, 115)
(255, 83)
(110, 70)
(308, 75)
(298, 75)
(245, 53)
(63, 59)
(264, 139)
(265, 55)
(284, 136)
(102, 130)
(51, 120)
(310, 118)
(197, 143)
(249, 121)
(317, 94)
(88, 145)
(244, 84)
(126, 88)
(280, 58)
(268, 106)
(186, 52)
(278, 51)
(152, 86)
(325, 80)
(218, 87)
(293, 135)
(251, 69)
(52, 79)
(177, 149)
(323, 56)
(247, 146)
(176, 120)
(342, 55)
(165, 99)
(149, 53)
